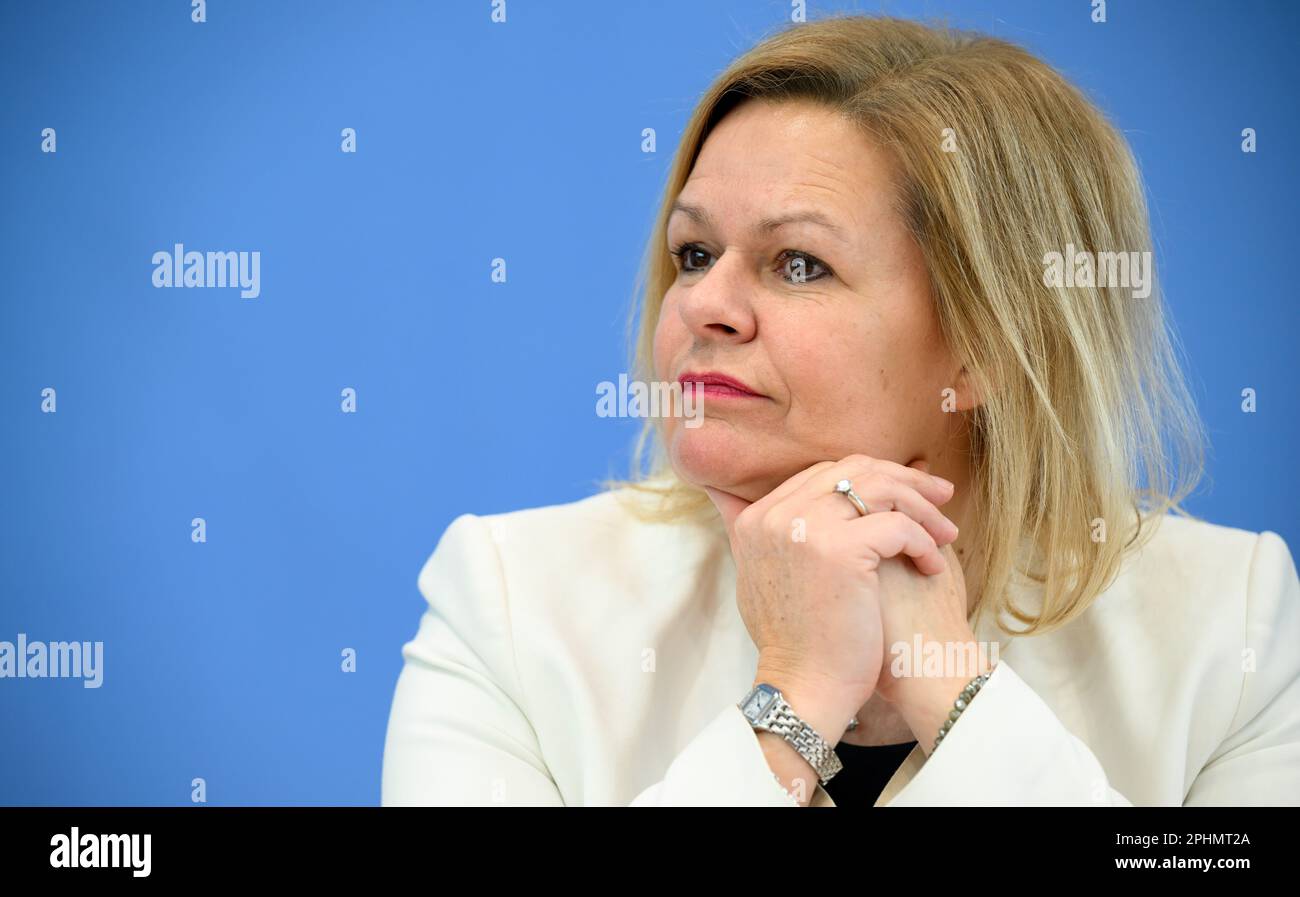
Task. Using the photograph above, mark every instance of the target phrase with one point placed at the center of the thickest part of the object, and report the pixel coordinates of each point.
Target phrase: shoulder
(1190, 582)
(1206, 583)
(596, 538)
(1224, 603)
(618, 518)
(1183, 548)
(1203, 557)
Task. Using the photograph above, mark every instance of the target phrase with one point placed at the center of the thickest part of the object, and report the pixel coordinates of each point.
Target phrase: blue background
(475, 141)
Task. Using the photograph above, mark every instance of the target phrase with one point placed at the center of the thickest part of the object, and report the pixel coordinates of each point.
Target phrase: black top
(867, 770)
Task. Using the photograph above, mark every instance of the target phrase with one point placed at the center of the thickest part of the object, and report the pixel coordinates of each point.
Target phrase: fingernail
(942, 482)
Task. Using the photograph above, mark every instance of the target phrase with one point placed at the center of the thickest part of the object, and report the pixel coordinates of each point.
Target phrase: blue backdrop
(475, 140)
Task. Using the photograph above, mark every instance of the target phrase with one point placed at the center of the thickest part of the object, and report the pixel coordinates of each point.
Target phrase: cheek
(827, 368)
(670, 336)
(852, 388)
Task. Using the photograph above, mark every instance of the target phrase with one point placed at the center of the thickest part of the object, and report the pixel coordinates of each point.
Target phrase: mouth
(714, 385)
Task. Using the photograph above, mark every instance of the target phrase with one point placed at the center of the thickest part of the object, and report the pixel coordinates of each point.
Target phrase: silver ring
(845, 488)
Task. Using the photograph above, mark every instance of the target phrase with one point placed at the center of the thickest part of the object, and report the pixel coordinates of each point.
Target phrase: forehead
(764, 157)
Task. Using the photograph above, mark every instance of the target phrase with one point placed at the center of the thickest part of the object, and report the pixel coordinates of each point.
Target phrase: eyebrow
(765, 225)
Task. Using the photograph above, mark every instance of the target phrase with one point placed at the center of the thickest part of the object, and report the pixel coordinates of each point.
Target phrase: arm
(726, 765)
(1008, 748)
(1258, 762)
(457, 731)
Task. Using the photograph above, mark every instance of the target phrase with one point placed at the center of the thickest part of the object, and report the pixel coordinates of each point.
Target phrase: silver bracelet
(962, 702)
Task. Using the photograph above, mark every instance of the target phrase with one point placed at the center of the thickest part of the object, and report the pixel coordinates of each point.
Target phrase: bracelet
(962, 702)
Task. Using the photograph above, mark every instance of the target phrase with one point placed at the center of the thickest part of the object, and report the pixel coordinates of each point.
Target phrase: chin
(715, 454)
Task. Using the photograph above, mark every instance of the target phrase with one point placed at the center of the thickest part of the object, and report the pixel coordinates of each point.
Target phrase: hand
(911, 604)
(934, 608)
(807, 575)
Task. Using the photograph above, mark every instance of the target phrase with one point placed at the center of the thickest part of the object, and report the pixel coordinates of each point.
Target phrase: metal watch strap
(781, 719)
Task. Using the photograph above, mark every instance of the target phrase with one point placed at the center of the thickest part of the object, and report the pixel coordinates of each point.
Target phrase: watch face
(759, 701)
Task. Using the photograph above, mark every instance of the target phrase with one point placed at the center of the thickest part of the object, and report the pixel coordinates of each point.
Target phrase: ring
(845, 488)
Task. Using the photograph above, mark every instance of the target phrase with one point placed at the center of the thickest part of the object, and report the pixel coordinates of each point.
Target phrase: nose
(717, 308)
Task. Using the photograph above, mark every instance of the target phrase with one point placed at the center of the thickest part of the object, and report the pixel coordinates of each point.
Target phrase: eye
(692, 258)
(686, 253)
(802, 266)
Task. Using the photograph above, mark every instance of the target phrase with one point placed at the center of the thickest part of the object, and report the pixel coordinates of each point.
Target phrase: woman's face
(828, 323)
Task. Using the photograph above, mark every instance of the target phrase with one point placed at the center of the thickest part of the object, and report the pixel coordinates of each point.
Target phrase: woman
(918, 447)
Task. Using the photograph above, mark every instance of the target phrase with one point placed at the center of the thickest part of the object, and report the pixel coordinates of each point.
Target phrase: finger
(883, 494)
(935, 490)
(923, 465)
(917, 475)
(728, 505)
(892, 533)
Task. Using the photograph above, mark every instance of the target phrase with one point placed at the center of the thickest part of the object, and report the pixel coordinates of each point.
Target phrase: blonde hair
(1080, 385)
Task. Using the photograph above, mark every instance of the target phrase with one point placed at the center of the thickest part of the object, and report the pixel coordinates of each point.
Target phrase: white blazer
(573, 655)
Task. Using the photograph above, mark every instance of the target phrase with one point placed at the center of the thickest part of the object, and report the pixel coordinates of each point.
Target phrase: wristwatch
(766, 709)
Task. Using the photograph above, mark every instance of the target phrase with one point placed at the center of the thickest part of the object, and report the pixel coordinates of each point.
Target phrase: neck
(963, 510)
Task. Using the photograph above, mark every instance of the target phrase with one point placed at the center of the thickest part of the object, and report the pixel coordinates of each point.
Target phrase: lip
(717, 385)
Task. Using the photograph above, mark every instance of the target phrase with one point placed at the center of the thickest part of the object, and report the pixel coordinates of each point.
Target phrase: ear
(970, 393)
